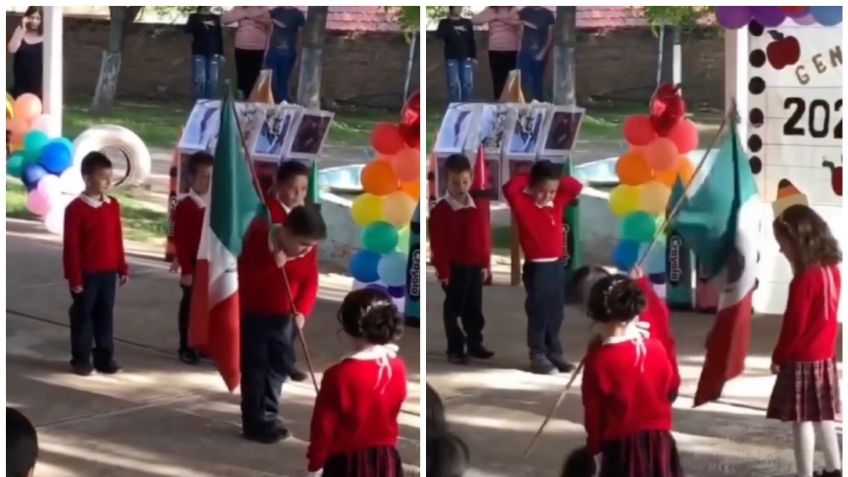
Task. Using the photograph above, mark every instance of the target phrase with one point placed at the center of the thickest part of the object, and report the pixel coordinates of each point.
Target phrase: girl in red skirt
(354, 423)
(806, 392)
(626, 388)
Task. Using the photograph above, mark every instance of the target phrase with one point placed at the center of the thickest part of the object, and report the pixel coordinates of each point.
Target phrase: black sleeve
(301, 19)
(472, 43)
(440, 30)
(189, 26)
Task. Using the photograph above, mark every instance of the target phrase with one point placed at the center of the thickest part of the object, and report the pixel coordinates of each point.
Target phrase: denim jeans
(205, 70)
(532, 74)
(281, 62)
(460, 75)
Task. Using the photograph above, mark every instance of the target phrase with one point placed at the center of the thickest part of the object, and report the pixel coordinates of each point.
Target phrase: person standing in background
(282, 48)
(26, 46)
(504, 26)
(460, 54)
(207, 51)
(537, 36)
(254, 24)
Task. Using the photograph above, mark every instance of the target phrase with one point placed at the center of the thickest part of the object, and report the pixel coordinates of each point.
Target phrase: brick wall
(621, 64)
(367, 68)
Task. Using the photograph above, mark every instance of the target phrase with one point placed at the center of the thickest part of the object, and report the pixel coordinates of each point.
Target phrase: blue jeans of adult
(281, 62)
(205, 72)
(460, 75)
(532, 73)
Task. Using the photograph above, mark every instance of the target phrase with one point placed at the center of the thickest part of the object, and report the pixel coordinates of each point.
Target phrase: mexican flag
(214, 324)
(719, 220)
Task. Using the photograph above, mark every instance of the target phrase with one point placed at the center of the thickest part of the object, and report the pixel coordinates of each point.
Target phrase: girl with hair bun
(626, 388)
(354, 429)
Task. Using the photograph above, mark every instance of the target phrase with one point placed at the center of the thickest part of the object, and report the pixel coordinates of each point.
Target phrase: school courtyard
(497, 408)
(158, 418)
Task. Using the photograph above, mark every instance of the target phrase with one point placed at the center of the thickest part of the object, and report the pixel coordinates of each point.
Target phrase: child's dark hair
(457, 164)
(578, 278)
(580, 463)
(437, 424)
(21, 444)
(544, 170)
(370, 314)
(305, 221)
(94, 161)
(810, 235)
(615, 298)
(290, 169)
(198, 160)
(447, 454)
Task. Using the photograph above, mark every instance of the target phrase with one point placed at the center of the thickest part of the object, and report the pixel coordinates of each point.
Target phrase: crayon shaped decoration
(787, 196)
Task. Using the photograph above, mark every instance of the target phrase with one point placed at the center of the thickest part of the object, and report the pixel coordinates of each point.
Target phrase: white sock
(805, 445)
(830, 444)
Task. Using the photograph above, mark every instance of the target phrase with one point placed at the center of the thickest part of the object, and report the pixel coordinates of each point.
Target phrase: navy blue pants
(184, 315)
(91, 319)
(265, 364)
(464, 301)
(544, 305)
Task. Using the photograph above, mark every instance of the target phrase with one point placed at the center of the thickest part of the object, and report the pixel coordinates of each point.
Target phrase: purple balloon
(805, 20)
(397, 292)
(768, 16)
(378, 287)
(733, 17)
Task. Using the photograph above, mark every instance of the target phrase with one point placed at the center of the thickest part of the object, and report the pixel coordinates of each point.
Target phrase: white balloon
(54, 221)
(71, 181)
(49, 186)
(40, 123)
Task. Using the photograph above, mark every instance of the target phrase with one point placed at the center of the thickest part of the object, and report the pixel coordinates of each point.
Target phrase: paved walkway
(159, 417)
(497, 407)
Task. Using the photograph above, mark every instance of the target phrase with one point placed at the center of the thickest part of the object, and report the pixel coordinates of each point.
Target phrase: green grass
(141, 223)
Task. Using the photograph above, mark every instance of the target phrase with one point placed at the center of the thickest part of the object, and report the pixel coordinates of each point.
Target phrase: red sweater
(262, 288)
(810, 325)
(279, 214)
(540, 227)
(459, 236)
(93, 240)
(188, 225)
(350, 414)
(625, 394)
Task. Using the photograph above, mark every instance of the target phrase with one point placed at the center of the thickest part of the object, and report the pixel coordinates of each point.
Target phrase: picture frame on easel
(309, 134)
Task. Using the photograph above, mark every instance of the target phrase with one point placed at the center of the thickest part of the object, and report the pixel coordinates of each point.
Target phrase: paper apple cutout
(835, 177)
(783, 51)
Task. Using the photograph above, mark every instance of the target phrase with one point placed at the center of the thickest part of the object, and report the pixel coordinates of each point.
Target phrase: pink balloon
(49, 186)
(54, 221)
(805, 20)
(684, 134)
(40, 123)
(37, 203)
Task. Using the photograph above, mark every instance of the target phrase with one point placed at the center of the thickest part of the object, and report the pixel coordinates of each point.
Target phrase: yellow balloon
(367, 209)
(654, 197)
(624, 199)
(398, 208)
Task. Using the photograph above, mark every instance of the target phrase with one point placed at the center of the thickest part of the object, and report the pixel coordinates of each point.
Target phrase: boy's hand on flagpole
(124, 279)
(299, 320)
(76, 290)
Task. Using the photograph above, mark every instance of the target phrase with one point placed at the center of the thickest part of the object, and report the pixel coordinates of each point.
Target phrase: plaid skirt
(806, 391)
(644, 454)
(378, 461)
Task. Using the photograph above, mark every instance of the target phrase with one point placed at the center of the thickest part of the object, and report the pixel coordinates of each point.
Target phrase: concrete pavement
(159, 417)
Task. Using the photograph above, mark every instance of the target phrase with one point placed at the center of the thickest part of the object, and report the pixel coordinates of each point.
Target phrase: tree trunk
(309, 78)
(411, 84)
(120, 18)
(565, 31)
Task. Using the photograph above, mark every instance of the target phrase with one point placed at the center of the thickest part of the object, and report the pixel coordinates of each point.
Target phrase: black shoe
(457, 358)
(480, 352)
(542, 367)
(108, 368)
(281, 429)
(824, 473)
(189, 357)
(561, 365)
(265, 437)
(297, 375)
(84, 369)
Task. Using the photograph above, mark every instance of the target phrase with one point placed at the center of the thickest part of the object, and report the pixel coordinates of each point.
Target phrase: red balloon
(410, 121)
(795, 12)
(638, 130)
(684, 135)
(386, 139)
(667, 107)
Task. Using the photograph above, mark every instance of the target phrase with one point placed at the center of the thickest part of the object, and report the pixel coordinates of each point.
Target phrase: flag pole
(300, 333)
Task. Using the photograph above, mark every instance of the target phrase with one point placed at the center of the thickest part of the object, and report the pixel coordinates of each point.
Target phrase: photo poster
(560, 132)
(457, 124)
(794, 122)
(309, 134)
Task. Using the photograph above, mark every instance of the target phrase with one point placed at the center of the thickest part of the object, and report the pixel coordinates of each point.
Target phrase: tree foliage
(684, 17)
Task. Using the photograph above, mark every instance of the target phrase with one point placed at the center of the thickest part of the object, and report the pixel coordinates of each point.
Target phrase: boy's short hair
(199, 159)
(290, 169)
(305, 221)
(457, 164)
(544, 170)
(94, 161)
(21, 444)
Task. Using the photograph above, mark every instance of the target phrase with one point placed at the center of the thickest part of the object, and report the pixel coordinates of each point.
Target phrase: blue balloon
(397, 292)
(56, 157)
(827, 16)
(67, 143)
(655, 262)
(625, 254)
(380, 288)
(32, 174)
(392, 269)
(363, 266)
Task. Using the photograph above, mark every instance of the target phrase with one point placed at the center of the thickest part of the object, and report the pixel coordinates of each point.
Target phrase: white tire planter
(108, 136)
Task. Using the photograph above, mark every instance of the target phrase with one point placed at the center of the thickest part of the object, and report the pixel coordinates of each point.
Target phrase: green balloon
(34, 142)
(638, 226)
(380, 237)
(403, 240)
(15, 164)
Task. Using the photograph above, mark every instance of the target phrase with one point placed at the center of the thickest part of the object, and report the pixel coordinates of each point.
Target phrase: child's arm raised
(657, 315)
(569, 189)
(515, 187)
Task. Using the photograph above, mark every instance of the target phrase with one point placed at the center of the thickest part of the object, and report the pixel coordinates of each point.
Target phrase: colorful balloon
(668, 177)
(49, 186)
(367, 209)
(625, 254)
(56, 157)
(624, 199)
(733, 17)
(827, 16)
(685, 169)
(655, 261)
(40, 123)
(27, 106)
(392, 269)
(805, 20)
(653, 197)
(796, 12)
(71, 181)
(363, 266)
(38, 203)
(34, 143)
(32, 173)
(638, 226)
(17, 126)
(403, 239)
(661, 154)
(412, 189)
(684, 135)
(378, 178)
(768, 16)
(386, 139)
(54, 221)
(638, 130)
(398, 208)
(380, 237)
(15, 164)
(406, 164)
(632, 169)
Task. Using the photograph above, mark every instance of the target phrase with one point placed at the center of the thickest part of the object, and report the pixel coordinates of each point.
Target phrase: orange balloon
(686, 170)
(17, 126)
(27, 106)
(378, 178)
(412, 189)
(667, 177)
(661, 154)
(632, 169)
(406, 164)
(16, 144)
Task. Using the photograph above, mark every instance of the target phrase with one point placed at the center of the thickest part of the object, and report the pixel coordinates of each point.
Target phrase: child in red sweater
(278, 285)
(94, 262)
(626, 386)
(538, 203)
(806, 392)
(355, 421)
(460, 240)
(188, 224)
